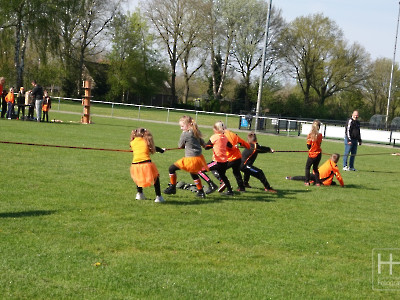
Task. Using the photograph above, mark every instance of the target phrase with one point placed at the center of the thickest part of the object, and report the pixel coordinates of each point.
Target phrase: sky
(371, 23)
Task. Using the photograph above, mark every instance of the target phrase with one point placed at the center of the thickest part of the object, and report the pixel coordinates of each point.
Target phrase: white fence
(265, 124)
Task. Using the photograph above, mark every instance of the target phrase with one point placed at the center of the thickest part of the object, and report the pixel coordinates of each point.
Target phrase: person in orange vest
(46, 105)
(326, 172)
(10, 103)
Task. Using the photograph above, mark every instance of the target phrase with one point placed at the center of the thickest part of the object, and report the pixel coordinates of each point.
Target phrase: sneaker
(201, 194)
(247, 185)
(317, 184)
(171, 189)
(159, 199)
(221, 187)
(271, 190)
(212, 188)
(352, 169)
(306, 183)
(288, 177)
(346, 168)
(241, 190)
(228, 193)
(140, 196)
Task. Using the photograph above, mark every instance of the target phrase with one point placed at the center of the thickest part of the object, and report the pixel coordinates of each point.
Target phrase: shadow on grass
(29, 213)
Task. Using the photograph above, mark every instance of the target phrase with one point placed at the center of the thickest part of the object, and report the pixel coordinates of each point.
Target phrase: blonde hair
(219, 127)
(192, 125)
(251, 137)
(147, 136)
(315, 130)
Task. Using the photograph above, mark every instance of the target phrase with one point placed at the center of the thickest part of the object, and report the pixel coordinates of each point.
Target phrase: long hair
(315, 130)
(192, 125)
(219, 127)
(147, 136)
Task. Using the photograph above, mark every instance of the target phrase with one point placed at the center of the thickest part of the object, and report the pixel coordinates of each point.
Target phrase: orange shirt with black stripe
(327, 171)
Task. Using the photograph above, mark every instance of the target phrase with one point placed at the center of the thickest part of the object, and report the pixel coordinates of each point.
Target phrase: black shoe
(201, 194)
(171, 189)
(241, 189)
(212, 188)
(228, 193)
(247, 185)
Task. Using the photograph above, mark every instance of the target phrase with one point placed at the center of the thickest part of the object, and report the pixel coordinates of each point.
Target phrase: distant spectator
(46, 105)
(21, 103)
(3, 97)
(37, 94)
(30, 103)
(10, 99)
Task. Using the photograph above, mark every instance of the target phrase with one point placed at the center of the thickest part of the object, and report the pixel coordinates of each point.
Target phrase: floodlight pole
(391, 73)
(260, 87)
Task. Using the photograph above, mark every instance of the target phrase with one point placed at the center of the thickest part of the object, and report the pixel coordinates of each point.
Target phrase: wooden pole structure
(86, 102)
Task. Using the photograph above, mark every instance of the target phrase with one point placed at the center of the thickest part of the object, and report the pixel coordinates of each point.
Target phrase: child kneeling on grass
(143, 171)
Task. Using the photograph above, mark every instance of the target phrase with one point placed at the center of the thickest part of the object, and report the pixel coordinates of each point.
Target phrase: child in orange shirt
(314, 140)
(46, 105)
(10, 103)
(326, 172)
(193, 162)
(219, 143)
(143, 171)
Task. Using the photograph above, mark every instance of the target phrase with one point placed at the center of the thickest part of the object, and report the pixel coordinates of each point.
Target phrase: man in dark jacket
(37, 94)
(352, 138)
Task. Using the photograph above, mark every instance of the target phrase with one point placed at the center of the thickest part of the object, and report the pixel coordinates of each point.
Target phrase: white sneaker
(159, 199)
(140, 196)
(346, 168)
(352, 169)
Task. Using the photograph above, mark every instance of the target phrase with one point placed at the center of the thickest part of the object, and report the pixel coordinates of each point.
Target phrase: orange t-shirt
(315, 146)
(234, 152)
(219, 141)
(327, 171)
(10, 97)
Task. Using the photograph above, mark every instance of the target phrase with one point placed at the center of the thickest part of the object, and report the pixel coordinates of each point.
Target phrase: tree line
(205, 52)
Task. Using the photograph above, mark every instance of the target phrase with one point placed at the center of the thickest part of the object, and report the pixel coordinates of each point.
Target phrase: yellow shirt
(141, 151)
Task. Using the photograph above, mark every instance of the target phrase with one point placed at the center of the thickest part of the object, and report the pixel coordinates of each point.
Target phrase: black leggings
(314, 162)
(255, 172)
(157, 187)
(220, 167)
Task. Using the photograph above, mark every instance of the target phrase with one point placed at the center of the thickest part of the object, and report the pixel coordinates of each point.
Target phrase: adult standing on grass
(352, 138)
(21, 103)
(37, 94)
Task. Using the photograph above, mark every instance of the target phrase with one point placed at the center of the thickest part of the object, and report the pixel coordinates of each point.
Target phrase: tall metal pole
(391, 73)
(260, 87)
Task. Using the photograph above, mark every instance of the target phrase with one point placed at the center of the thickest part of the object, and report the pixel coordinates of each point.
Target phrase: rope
(168, 149)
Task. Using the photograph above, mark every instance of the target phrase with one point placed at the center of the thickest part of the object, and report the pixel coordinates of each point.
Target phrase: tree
(248, 43)
(318, 58)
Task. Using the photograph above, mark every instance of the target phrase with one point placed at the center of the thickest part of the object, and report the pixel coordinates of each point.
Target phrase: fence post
(139, 113)
(288, 128)
(226, 120)
(59, 100)
(112, 109)
(196, 116)
(167, 115)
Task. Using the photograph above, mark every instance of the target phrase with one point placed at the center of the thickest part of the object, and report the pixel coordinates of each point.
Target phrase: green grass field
(70, 227)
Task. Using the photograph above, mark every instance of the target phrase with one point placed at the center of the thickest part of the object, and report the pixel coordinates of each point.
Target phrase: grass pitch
(70, 227)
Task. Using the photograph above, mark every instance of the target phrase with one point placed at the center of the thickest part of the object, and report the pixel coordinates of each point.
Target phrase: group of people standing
(35, 99)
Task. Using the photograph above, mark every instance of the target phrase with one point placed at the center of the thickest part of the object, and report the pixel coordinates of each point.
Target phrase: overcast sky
(371, 23)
